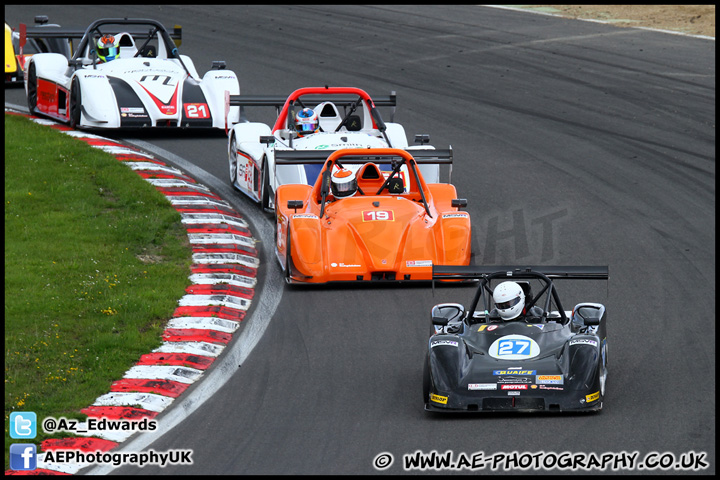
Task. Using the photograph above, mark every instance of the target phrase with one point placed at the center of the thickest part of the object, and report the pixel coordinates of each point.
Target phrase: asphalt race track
(575, 143)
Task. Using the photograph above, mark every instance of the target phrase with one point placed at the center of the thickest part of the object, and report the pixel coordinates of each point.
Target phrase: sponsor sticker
(583, 341)
(437, 343)
(514, 372)
(546, 387)
(514, 380)
(304, 215)
(491, 328)
(438, 399)
(482, 386)
(592, 397)
(513, 393)
(131, 109)
(549, 379)
(514, 387)
(418, 263)
(455, 215)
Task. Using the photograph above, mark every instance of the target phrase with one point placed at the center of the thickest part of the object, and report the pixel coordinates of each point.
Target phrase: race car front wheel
(426, 381)
(32, 88)
(265, 186)
(75, 103)
(232, 158)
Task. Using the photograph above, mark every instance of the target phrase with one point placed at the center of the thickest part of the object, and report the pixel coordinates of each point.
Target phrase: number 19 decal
(378, 216)
(196, 110)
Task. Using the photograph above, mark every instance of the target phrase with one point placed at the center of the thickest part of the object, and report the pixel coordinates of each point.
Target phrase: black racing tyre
(265, 198)
(288, 258)
(232, 160)
(32, 88)
(75, 103)
(426, 381)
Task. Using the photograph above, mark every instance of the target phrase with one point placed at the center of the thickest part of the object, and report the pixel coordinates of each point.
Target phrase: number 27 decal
(196, 110)
(378, 216)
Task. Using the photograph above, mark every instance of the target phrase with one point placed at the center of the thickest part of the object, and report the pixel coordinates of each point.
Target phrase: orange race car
(363, 224)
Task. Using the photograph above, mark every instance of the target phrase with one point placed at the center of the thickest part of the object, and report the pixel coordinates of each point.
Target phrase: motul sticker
(514, 386)
(438, 399)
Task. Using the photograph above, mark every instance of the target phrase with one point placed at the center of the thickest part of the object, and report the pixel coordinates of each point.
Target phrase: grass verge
(95, 262)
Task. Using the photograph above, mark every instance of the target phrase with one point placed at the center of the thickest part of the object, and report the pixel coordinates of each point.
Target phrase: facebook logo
(23, 456)
(23, 425)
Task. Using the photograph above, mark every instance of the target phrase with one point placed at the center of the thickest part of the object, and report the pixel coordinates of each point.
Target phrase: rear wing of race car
(422, 156)
(474, 272)
(442, 156)
(546, 273)
(278, 101)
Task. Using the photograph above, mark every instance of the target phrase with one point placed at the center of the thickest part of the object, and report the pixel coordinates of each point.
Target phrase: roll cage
(395, 157)
(545, 274)
(85, 50)
(347, 98)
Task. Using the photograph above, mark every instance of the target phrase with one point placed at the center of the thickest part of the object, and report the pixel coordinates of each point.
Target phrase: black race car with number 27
(526, 353)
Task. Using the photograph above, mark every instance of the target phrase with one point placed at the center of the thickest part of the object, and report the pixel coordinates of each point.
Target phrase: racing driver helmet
(344, 183)
(108, 49)
(509, 300)
(307, 121)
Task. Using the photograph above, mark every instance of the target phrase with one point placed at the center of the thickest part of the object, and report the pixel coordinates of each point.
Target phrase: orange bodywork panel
(369, 236)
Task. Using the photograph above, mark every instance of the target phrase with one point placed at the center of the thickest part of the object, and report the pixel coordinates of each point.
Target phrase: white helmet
(509, 300)
(344, 183)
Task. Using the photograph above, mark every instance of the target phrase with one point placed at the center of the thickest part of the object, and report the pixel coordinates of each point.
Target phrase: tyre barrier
(223, 275)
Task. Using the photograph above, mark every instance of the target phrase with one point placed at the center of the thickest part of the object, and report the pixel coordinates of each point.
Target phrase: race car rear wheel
(32, 88)
(75, 103)
(232, 160)
(288, 258)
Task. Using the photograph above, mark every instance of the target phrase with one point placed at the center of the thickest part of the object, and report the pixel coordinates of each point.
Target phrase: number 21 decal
(197, 110)
(378, 216)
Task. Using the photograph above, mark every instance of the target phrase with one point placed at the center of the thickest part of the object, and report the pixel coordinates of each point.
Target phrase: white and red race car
(149, 84)
(348, 118)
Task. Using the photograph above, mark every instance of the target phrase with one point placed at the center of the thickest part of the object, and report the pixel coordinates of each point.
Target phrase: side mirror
(295, 204)
(445, 313)
(269, 139)
(588, 314)
(422, 138)
(458, 202)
